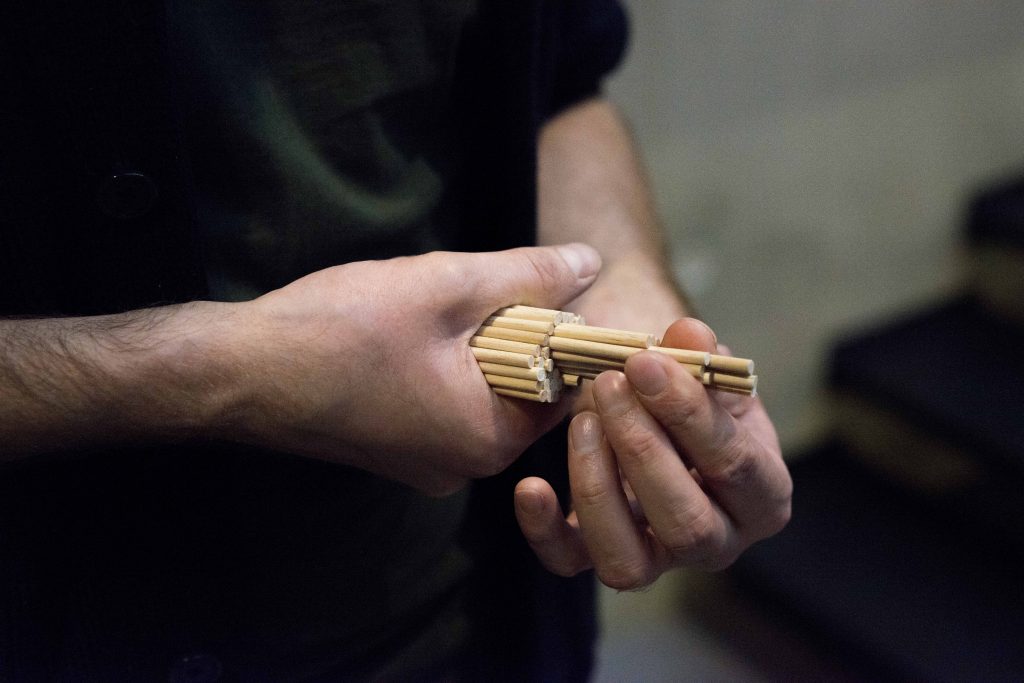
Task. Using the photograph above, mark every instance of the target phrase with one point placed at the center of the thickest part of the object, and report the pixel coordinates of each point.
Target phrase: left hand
(664, 473)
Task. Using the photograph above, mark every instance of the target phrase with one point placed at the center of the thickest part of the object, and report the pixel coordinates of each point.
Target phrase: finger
(679, 512)
(557, 543)
(690, 333)
(736, 404)
(548, 277)
(745, 476)
(619, 551)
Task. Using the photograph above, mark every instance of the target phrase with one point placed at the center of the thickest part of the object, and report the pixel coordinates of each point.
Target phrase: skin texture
(663, 472)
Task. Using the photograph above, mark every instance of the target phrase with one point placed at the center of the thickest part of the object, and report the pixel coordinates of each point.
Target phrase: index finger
(746, 478)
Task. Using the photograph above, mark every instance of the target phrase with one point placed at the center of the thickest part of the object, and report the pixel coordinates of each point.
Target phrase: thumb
(547, 277)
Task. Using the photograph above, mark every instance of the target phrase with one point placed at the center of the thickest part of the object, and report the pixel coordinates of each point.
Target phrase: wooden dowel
(555, 386)
(516, 360)
(695, 370)
(587, 367)
(524, 324)
(722, 380)
(730, 390)
(512, 335)
(561, 357)
(513, 383)
(605, 335)
(531, 353)
(744, 367)
(684, 355)
(592, 348)
(529, 313)
(542, 396)
(539, 374)
(505, 345)
(622, 353)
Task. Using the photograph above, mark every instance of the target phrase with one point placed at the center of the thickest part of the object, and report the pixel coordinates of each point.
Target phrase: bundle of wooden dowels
(532, 353)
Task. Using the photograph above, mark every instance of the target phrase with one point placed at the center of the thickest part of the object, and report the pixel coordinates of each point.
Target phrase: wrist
(179, 374)
(635, 292)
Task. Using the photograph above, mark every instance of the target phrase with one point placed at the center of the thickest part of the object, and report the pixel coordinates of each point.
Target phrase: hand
(663, 472)
(369, 363)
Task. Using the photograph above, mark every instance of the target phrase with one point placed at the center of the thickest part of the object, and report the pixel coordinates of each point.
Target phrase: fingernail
(583, 260)
(585, 432)
(613, 394)
(648, 376)
(529, 502)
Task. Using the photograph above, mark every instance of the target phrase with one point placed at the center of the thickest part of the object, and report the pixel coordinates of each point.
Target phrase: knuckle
(590, 494)
(547, 272)
(736, 465)
(680, 411)
(452, 274)
(645, 448)
(694, 532)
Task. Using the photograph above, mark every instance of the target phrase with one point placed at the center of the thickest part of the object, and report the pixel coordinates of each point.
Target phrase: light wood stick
(561, 357)
(695, 370)
(529, 313)
(622, 353)
(555, 383)
(605, 335)
(505, 345)
(542, 396)
(524, 324)
(584, 367)
(512, 335)
(539, 374)
(586, 374)
(744, 367)
(684, 355)
(513, 383)
(731, 390)
(723, 381)
(531, 353)
(516, 360)
(592, 348)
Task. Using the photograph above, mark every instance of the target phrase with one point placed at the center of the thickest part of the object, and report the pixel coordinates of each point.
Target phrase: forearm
(592, 188)
(153, 375)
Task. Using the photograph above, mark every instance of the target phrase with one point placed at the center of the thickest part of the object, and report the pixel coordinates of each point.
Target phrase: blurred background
(843, 187)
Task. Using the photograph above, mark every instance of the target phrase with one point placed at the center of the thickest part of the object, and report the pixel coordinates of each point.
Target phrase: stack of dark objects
(905, 554)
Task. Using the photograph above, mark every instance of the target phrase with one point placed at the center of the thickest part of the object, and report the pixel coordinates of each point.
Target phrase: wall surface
(811, 161)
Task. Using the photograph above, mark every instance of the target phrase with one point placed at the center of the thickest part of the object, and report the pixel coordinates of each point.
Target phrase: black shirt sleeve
(591, 40)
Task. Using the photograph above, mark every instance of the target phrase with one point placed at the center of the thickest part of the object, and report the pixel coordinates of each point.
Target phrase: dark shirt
(213, 559)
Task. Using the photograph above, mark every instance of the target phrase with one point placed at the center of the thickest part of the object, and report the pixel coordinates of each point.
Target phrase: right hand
(368, 363)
